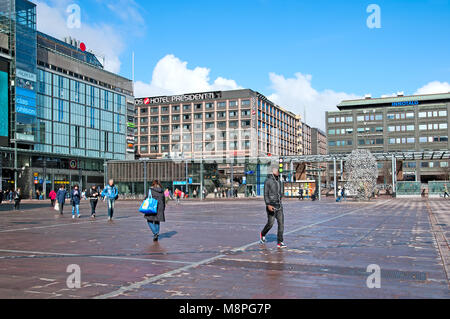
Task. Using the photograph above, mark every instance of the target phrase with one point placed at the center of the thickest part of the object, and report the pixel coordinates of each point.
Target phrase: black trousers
(93, 206)
(277, 214)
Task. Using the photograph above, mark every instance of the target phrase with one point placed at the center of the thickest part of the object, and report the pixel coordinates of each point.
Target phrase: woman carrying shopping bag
(154, 220)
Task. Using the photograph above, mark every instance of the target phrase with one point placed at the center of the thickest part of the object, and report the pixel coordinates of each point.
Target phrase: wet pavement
(210, 250)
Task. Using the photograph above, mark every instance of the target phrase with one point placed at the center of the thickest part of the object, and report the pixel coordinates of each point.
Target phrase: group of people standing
(12, 196)
(225, 192)
(110, 194)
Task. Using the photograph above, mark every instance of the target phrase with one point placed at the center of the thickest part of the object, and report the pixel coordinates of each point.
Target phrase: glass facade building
(64, 115)
(69, 113)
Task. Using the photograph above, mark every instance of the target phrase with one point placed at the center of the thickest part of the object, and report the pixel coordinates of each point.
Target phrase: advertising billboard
(4, 104)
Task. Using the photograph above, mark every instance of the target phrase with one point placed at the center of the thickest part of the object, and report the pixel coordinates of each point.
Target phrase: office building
(306, 139)
(395, 124)
(319, 145)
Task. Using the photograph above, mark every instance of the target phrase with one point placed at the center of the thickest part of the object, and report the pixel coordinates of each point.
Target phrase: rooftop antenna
(132, 66)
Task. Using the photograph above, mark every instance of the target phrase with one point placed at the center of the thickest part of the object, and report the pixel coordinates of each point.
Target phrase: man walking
(111, 193)
(75, 199)
(61, 198)
(17, 199)
(272, 196)
(93, 199)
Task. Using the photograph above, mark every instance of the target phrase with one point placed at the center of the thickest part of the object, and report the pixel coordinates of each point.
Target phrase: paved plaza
(211, 250)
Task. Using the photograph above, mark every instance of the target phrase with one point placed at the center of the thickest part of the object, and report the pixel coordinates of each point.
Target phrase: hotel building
(224, 124)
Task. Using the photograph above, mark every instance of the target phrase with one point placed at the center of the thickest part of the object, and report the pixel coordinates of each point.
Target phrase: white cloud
(296, 94)
(172, 76)
(103, 39)
(433, 88)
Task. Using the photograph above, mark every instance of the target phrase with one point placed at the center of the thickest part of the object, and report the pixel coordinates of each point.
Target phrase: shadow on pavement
(168, 235)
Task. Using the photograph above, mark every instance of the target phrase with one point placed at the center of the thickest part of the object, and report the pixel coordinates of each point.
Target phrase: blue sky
(245, 41)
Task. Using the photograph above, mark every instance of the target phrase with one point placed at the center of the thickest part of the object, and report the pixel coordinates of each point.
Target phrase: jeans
(111, 205)
(93, 206)
(155, 227)
(446, 195)
(76, 208)
(277, 214)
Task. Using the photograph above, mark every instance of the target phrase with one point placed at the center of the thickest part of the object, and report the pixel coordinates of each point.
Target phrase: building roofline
(393, 99)
(221, 91)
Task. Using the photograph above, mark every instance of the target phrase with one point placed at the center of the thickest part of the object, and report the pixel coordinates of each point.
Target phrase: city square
(300, 152)
(210, 250)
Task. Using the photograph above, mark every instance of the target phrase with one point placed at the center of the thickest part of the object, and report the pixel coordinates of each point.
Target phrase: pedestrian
(75, 199)
(154, 221)
(111, 194)
(61, 198)
(194, 193)
(1, 197)
(177, 195)
(17, 199)
(446, 191)
(300, 194)
(205, 193)
(93, 199)
(274, 208)
(167, 195)
(11, 196)
(52, 197)
(343, 193)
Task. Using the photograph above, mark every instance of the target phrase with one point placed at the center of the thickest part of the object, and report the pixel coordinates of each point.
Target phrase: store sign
(179, 98)
(407, 103)
(25, 137)
(26, 75)
(25, 101)
(73, 164)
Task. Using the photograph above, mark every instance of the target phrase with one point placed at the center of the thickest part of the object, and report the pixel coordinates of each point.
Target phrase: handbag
(56, 207)
(149, 206)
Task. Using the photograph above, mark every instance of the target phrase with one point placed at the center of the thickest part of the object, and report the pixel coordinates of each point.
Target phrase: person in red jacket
(52, 197)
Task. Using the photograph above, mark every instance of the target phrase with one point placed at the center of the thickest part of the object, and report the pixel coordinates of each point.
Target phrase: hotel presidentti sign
(179, 98)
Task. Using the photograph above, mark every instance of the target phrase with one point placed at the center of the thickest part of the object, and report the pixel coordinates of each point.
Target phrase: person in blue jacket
(110, 193)
(61, 198)
(75, 198)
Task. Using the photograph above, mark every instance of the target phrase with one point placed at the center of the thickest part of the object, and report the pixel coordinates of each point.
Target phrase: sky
(306, 56)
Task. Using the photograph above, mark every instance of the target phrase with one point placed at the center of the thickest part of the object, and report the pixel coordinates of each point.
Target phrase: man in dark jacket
(93, 195)
(61, 198)
(75, 198)
(273, 193)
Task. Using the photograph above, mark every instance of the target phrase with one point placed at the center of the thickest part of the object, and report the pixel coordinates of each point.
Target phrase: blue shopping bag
(149, 206)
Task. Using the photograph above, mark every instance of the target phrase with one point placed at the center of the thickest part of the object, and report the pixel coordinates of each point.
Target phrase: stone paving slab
(210, 250)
